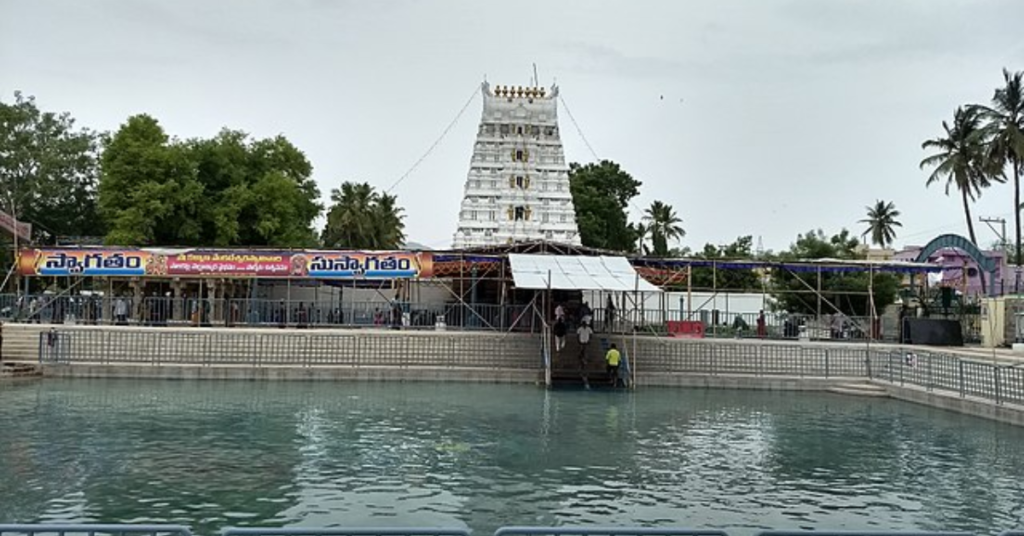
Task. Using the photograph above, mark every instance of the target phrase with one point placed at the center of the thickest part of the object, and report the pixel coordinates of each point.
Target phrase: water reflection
(216, 454)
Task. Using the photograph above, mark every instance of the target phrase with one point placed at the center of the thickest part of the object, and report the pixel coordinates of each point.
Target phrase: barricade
(685, 329)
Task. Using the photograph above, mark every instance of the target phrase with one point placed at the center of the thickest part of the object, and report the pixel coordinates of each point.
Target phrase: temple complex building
(517, 188)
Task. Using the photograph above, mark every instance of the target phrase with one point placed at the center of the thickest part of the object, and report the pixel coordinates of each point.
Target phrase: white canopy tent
(575, 272)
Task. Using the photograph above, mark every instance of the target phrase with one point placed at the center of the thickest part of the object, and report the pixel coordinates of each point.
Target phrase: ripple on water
(217, 454)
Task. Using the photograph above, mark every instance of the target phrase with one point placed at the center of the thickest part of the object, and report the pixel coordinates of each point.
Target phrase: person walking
(583, 334)
(762, 327)
(559, 330)
(612, 359)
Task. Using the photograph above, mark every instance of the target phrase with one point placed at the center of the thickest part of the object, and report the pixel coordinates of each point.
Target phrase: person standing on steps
(559, 330)
(609, 314)
(586, 315)
(612, 358)
(583, 334)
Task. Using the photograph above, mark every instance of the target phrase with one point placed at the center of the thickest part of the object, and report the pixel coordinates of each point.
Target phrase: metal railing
(300, 349)
(257, 312)
(716, 357)
(93, 530)
(935, 371)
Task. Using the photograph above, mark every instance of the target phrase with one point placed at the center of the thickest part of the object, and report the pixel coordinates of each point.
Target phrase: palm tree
(1005, 126)
(361, 218)
(663, 225)
(641, 231)
(389, 229)
(881, 221)
(960, 160)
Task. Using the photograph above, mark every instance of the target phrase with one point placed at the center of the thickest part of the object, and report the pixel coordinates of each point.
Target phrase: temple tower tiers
(518, 183)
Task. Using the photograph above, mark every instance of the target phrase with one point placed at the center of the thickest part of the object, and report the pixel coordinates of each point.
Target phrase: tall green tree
(1005, 124)
(361, 218)
(960, 160)
(663, 225)
(148, 190)
(601, 194)
(794, 292)
(881, 223)
(728, 279)
(229, 190)
(48, 170)
(258, 192)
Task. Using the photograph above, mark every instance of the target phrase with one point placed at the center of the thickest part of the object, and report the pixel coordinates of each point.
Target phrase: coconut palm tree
(662, 225)
(881, 222)
(641, 231)
(1005, 126)
(360, 218)
(389, 229)
(960, 160)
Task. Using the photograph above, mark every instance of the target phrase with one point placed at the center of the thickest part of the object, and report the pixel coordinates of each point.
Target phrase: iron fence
(303, 349)
(749, 358)
(258, 312)
(936, 371)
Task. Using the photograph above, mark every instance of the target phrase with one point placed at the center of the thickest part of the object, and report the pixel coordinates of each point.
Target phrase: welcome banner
(116, 262)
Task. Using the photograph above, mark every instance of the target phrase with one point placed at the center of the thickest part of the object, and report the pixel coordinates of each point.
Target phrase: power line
(589, 147)
(578, 129)
(437, 141)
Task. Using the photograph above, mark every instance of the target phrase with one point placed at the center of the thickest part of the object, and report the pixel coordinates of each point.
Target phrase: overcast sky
(757, 117)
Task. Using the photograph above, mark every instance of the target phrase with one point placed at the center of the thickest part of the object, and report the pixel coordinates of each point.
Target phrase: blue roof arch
(958, 242)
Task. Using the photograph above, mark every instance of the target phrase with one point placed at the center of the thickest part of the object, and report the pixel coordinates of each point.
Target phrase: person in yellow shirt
(612, 358)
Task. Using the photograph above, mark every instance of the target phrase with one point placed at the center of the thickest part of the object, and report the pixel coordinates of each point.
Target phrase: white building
(517, 188)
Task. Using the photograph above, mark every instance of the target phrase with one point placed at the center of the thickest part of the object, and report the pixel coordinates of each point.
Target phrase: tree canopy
(361, 218)
(727, 279)
(601, 194)
(225, 191)
(48, 170)
(846, 290)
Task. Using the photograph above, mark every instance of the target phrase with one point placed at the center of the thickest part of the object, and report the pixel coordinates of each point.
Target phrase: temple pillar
(177, 307)
(137, 289)
(217, 301)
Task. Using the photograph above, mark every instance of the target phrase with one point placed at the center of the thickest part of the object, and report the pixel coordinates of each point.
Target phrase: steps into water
(19, 370)
(859, 389)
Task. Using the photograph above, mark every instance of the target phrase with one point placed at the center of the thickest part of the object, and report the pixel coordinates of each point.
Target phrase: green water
(212, 454)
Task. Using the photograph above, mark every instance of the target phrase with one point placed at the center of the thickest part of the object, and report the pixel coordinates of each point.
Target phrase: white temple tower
(518, 183)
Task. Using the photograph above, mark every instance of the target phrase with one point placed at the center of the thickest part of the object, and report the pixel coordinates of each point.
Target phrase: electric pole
(1001, 233)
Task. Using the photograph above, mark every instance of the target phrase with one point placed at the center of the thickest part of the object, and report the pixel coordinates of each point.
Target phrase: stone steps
(20, 370)
(860, 389)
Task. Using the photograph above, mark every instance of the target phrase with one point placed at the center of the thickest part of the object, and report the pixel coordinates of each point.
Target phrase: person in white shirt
(583, 333)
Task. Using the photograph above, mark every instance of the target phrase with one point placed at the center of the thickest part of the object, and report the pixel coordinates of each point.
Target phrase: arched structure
(985, 264)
